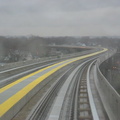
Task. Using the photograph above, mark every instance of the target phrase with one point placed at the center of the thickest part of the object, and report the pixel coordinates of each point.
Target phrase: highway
(74, 81)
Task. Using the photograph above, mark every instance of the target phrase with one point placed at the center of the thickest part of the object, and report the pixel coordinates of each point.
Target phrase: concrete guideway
(13, 93)
(57, 111)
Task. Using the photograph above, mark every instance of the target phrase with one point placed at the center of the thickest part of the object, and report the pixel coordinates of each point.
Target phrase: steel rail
(79, 105)
(67, 107)
(71, 87)
(87, 109)
(44, 104)
(65, 96)
(77, 92)
(75, 105)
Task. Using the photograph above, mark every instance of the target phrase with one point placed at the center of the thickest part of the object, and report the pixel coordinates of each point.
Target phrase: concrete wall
(110, 98)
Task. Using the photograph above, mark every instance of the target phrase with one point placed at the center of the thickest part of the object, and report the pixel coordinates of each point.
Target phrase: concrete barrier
(110, 98)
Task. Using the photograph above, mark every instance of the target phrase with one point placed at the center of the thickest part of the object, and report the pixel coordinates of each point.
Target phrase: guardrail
(110, 98)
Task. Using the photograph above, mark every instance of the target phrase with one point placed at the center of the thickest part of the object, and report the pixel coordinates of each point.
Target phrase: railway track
(81, 109)
(57, 102)
(67, 99)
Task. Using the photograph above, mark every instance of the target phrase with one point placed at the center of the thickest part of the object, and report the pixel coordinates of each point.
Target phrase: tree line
(19, 48)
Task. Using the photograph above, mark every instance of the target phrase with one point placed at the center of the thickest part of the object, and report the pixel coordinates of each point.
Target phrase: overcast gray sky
(60, 17)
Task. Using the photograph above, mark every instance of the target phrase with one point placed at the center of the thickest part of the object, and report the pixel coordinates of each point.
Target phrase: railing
(110, 98)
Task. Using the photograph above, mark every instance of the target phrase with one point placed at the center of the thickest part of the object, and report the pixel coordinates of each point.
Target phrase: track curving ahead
(20, 90)
(73, 93)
